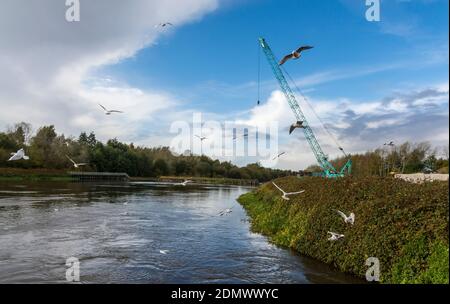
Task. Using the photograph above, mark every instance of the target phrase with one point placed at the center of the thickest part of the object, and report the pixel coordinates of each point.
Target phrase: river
(140, 233)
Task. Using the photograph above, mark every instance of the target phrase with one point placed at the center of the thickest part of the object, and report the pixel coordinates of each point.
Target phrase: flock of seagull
(20, 154)
(296, 54)
(347, 219)
(350, 219)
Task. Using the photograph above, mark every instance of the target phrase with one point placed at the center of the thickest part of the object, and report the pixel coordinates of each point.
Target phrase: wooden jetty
(99, 176)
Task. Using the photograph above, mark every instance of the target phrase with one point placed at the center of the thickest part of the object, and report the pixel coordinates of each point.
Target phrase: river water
(140, 233)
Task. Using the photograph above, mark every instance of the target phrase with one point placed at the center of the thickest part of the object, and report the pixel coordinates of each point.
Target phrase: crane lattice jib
(321, 157)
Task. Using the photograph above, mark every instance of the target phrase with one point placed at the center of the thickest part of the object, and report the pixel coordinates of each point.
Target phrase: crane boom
(328, 169)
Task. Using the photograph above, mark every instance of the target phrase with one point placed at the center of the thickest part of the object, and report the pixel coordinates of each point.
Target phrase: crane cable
(259, 74)
(315, 113)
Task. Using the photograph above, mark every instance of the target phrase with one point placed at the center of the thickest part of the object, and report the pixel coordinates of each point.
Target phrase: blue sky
(369, 81)
(221, 52)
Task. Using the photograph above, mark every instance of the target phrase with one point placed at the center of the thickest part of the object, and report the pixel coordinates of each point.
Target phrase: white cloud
(420, 115)
(46, 62)
(46, 78)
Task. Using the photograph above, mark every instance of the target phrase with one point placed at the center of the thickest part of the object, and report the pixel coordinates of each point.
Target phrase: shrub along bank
(404, 225)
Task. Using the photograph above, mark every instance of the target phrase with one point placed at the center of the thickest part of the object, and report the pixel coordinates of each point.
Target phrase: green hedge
(404, 225)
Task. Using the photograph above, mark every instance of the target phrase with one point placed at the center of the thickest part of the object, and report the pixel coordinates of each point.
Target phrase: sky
(369, 82)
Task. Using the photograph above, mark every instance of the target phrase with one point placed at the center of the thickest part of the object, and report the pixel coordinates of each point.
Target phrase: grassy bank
(404, 225)
(16, 174)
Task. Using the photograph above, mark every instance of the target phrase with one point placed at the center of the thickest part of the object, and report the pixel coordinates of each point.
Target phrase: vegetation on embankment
(18, 174)
(404, 225)
(405, 158)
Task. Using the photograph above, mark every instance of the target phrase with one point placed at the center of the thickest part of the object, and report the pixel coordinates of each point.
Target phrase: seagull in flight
(164, 24)
(109, 112)
(295, 125)
(295, 54)
(226, 211)
(278, 156)
(164, 251)
(335, 236)
(184, 184)
(391, 144)
(18, 155)
(76, 165)
(347, 219)
(286, 194)
(202, 138)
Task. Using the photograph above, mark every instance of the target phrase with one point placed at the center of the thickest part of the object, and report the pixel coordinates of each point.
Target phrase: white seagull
(286, 194)
(163, 251)
(109, 112)
(202, 138)
(226, 211)
(184, 184)
(295, 54)
(76, 165)
(295, 125)
(347, 219)
(18, 155)
(335, 236)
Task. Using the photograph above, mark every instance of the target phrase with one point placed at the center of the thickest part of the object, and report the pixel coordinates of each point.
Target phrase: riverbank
(36, 175)
(17, 174)
(402, 224)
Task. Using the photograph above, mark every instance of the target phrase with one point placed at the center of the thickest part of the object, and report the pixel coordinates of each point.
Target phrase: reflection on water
(140, 233)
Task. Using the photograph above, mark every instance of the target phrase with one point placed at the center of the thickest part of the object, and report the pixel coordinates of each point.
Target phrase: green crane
(328, 169)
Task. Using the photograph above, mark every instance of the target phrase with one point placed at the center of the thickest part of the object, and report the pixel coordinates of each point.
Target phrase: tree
(20, 133)
(47, 149)
(160, 167)
(203, 168)
(40, 149)
(180, 167)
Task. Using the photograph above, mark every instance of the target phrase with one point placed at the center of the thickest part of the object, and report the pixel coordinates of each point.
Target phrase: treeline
(405, 158)
(49, 150)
